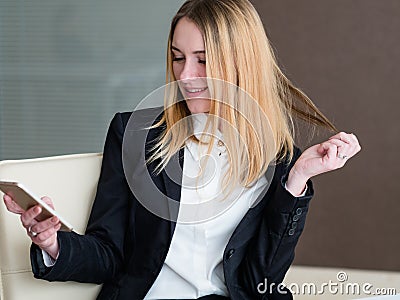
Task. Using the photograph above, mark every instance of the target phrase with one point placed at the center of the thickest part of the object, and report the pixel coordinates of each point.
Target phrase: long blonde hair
(237, 52)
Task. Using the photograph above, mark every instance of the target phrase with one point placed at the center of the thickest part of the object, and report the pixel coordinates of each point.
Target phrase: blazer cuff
(302, 194)
(286, 203)
(39, 268)
(53, 273)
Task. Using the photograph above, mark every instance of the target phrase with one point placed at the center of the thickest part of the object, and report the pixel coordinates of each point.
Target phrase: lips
(195, 90)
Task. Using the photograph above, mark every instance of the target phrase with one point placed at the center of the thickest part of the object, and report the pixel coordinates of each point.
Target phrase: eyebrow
(194, 52)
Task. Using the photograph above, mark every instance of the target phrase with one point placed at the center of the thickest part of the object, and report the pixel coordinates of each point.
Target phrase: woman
(142, 247)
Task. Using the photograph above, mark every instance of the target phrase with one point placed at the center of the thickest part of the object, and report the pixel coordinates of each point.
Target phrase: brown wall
(345, 54)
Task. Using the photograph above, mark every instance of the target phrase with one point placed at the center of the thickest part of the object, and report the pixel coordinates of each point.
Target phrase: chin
(198, 106)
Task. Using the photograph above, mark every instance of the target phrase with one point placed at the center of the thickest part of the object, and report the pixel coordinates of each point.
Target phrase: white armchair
(71, 182)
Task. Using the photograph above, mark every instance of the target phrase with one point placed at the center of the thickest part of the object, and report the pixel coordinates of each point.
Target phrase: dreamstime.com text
(340, 287)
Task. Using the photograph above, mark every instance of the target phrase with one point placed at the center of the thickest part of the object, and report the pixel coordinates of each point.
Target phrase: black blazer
(125, 245)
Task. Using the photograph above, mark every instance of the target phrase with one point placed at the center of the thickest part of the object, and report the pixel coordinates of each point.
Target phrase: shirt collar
(200, 132)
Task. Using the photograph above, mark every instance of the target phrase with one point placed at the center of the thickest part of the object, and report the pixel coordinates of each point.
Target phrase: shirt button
(230, 253)
(220, 143)
(299, 211)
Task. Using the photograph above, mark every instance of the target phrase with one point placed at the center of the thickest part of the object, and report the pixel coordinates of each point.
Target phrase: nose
(189, 72)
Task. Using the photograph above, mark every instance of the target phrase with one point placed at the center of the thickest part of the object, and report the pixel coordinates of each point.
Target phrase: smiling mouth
(193, 90)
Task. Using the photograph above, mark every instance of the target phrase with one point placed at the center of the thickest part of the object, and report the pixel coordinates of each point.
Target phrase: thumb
(322, 148)
(328, 150)
(11, 205)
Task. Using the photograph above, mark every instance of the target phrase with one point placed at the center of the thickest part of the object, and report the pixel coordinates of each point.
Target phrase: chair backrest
(71, 182)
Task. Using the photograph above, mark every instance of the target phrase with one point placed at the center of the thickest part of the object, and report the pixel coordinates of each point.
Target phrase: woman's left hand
(327, 156)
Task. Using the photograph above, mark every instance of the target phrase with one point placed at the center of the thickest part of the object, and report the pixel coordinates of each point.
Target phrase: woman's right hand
(44, 233)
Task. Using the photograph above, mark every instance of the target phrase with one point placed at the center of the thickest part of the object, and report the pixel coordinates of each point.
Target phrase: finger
(356, 143)
(28, 217)
(11, 205)
(343, 136)
(343, 149)
(47, 237)
(350, 148)
(45, 225)
(353, 137)
(337, 157)
(332, 160)
(48, 201)
(339, 143)
(349, 138)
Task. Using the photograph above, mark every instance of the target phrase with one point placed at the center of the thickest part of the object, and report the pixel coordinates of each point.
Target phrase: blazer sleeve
(271, 251)
(97, 255)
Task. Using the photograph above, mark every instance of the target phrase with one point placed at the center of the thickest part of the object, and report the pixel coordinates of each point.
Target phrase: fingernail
(37, 209)
(54, 219)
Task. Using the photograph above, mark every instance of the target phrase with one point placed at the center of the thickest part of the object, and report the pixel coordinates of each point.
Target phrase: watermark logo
(342, 276)
(341, 286)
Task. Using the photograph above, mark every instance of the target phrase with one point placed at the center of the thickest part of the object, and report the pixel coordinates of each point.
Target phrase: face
(189, 65)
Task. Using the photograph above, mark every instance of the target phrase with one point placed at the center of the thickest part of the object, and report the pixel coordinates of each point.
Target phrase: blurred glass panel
(67, 66)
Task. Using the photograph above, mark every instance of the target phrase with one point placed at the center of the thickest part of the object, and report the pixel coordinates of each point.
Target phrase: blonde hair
(239, 53)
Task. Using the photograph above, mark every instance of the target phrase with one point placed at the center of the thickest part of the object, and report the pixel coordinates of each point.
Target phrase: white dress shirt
(206, 220)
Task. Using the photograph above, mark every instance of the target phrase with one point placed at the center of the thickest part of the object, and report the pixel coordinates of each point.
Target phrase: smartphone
(24, 198)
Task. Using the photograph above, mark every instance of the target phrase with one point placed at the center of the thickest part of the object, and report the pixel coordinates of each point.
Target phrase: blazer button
(296, 218)
(230, 253)
(291, 231)
(299, 211)
(294, 225)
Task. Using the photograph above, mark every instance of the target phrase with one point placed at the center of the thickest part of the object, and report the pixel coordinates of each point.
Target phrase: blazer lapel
(172, 177)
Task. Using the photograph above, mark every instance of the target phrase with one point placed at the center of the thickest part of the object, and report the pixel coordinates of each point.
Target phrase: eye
(178, 59)
(201, 61)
